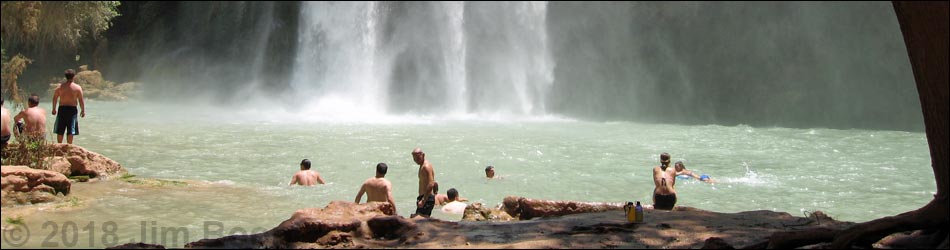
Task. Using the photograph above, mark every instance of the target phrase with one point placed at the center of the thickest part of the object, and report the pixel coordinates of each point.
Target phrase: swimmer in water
(681, 171)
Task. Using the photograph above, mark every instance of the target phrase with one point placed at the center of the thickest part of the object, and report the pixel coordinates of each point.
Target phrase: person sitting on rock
(378, 189)
(306, 177)
(5, 131)
(31, 122)
(664, 178)
(455, 205)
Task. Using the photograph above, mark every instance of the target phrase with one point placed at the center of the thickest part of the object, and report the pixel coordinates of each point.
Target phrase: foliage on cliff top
(54, 25)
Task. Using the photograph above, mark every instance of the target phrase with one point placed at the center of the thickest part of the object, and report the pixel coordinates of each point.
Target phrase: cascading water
(792, 64)
(424, 58)
(336, 63)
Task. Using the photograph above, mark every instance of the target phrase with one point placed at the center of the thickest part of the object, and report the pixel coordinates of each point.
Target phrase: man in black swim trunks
(68, 95)
(664, 177)
(426, 200)
(5, 131)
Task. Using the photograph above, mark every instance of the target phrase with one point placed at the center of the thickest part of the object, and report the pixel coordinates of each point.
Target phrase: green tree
(34, 26)
(54, 25)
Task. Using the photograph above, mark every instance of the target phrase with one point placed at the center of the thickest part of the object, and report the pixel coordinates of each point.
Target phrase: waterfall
(790, 64)
(447, 58)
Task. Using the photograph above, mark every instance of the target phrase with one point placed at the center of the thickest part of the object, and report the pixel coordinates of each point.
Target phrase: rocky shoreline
(349, 225)
(52, 181)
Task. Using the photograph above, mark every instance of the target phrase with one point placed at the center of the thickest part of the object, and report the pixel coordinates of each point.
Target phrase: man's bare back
(376, 189)
(34, 121)
(307, 178)
(664, 180)
(7, 120)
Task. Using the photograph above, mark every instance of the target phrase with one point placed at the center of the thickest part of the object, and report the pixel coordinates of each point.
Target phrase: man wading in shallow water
(426, 200)
(378, 189)
(664, 177)
(305, 177)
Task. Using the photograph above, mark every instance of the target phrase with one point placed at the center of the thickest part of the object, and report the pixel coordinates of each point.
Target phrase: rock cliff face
(24, 185)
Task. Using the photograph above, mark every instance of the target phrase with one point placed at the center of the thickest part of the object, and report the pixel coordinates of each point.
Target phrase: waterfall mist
(789, 64)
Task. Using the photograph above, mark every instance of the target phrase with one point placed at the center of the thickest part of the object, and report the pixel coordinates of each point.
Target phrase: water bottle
(630, 211)
(639, 211)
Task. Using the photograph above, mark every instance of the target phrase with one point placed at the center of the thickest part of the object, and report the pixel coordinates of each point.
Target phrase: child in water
(681, 171)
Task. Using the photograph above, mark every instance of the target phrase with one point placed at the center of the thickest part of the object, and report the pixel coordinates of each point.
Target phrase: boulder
(15, 183)
(25, 179)
(96, 87)
(60, 165)
(43, 188)
(41, 197)
(24, 185)
(526, 209)
(91, 79)
(337, 223)
(84, 162)
(478, 212)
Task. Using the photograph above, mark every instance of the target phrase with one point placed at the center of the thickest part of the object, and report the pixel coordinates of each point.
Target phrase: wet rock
(24, 185)
(25, 179)
(15, 183)
(526, 209)
(41, 197)
(478, 212)
(84, 162)
(43, 188)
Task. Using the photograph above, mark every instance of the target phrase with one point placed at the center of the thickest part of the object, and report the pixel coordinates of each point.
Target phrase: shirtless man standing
(305, 177)
(426, 200)
(664, 177)
(5, 131)
(378, 189)
(68, 95)
(34, 120)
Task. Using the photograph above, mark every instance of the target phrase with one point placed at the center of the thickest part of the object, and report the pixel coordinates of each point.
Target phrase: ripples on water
(853, 175)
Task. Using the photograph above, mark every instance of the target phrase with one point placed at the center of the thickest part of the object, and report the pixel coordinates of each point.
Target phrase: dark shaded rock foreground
(557, 224)
(336, 224)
